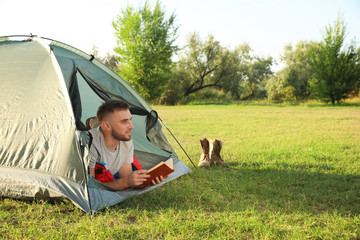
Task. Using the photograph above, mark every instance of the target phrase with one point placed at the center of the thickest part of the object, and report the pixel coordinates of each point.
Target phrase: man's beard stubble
(118, 136)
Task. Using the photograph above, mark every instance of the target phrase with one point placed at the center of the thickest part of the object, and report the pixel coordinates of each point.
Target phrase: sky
(266, 25)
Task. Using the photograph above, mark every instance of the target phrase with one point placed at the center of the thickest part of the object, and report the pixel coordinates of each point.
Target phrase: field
(294, 173)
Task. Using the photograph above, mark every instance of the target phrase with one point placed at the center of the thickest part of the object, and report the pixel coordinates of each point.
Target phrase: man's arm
(128, 178)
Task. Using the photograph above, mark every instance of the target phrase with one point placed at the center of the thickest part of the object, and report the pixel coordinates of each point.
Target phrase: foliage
(145, 42)
(235, 85)
(258, 71)
(111, 61)
(206, 64)
(327, 70)
(249, 73)
(208, 96)
(292, 82)
(336, 68)
(298, 70)
(277, 86)
(293, 174)
(203, 65)
(173, 93)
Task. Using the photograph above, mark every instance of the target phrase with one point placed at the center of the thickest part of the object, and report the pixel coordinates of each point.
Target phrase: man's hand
(141, 176)
(136, 178)
(158, 180)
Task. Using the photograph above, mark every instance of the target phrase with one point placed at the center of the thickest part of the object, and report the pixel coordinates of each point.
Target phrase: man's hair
(109, 106)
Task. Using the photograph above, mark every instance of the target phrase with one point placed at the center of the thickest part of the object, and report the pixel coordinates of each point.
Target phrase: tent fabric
(29, 185)
(37, 124)
(99, 75)
(107, 84)
(47, 93)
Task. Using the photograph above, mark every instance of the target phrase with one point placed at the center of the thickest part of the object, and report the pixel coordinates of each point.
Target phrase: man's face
(120, 125)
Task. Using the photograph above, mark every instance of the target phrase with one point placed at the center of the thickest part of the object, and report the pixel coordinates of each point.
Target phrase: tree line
(327, 70)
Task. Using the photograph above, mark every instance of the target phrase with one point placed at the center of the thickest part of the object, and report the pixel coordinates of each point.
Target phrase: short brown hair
(109, 106)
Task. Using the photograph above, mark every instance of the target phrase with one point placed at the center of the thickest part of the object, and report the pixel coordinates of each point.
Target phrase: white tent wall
(39, 151)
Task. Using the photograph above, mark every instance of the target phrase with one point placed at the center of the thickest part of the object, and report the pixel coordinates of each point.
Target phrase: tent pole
(177, 141)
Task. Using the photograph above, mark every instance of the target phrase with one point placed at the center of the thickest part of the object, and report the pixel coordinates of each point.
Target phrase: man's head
(115, 119)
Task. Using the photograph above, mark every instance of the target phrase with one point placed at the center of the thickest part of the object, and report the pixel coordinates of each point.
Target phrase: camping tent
(48, 91)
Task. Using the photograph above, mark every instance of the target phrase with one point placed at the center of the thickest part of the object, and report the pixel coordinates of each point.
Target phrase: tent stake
(177, 142)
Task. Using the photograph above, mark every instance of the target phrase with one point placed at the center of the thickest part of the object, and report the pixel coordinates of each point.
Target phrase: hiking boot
(204, 158)
(215, 148)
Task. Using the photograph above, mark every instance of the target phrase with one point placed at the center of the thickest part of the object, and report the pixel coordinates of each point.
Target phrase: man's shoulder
(127, 144)
(95, 131)
(96, 134)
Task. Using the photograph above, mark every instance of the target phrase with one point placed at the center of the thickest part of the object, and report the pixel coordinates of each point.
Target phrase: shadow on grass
(209, 103)
(301, 189)
(324, 105)
(260, 103)
(278, 103)
(246, 103)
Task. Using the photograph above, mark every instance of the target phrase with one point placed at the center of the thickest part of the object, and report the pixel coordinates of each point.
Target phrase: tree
(336, 72)
(259, 69)
(298, 72)
(240, 60)
(111, 61)
(203, 65)
(206, 64)
(145, 42)
(249, 73)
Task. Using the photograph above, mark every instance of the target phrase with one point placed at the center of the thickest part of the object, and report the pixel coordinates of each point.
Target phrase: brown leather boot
(215, 148)
(204, 158)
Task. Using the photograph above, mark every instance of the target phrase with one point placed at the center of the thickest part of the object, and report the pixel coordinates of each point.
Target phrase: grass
(294, 173)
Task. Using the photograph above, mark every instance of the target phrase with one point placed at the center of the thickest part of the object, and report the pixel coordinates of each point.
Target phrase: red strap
(137, 164)
(102, 174)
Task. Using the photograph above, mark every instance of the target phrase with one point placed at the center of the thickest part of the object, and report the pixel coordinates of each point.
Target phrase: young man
(113, 146)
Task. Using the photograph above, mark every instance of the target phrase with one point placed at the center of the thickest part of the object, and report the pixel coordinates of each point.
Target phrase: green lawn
(294, 173)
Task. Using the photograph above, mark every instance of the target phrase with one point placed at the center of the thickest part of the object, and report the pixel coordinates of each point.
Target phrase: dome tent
(48, 91)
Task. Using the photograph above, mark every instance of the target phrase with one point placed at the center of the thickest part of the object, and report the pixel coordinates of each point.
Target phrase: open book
(161, 169)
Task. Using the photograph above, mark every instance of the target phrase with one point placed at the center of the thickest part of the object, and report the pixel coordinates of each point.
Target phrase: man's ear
(105, 125)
